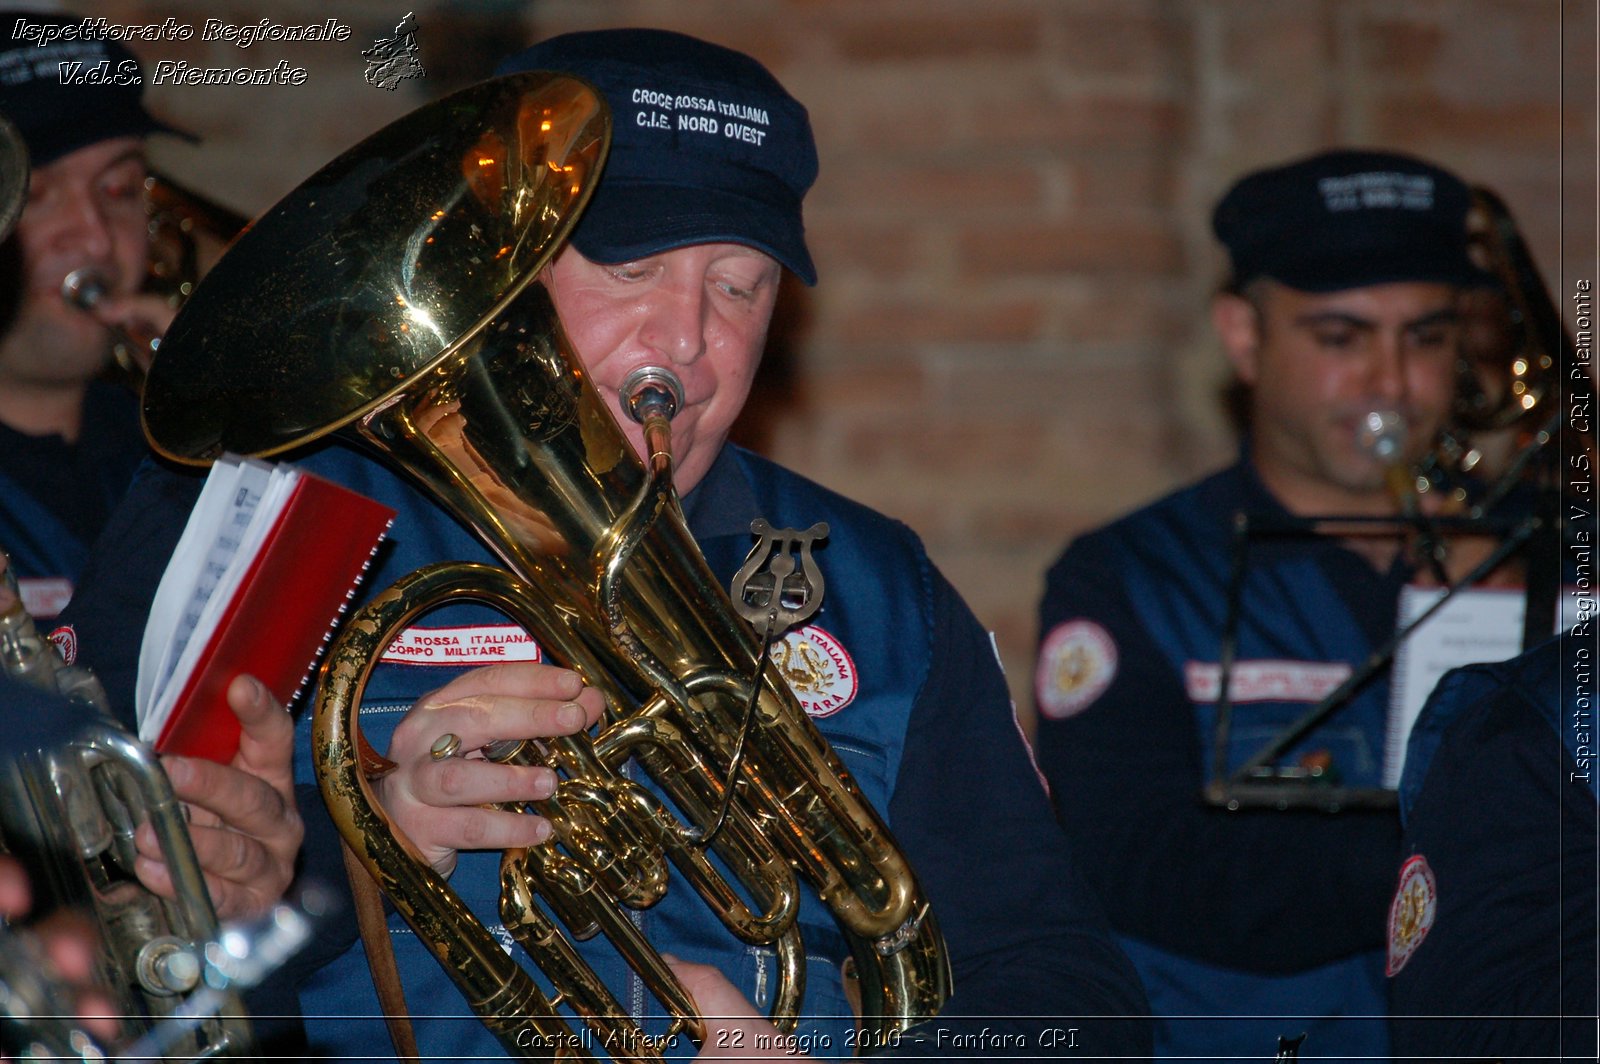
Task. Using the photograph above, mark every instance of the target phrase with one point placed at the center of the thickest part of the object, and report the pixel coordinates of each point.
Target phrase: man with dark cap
(1250, 924)
(69, 440)
(675, 264)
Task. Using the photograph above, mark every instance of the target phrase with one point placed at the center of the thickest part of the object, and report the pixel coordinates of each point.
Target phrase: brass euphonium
(399, 301)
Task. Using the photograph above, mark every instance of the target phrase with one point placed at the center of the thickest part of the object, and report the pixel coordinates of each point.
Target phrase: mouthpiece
(652, 391)
(83, 287)
(1383, 434)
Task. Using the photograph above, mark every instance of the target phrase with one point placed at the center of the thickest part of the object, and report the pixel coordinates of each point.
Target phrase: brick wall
(1009, 342)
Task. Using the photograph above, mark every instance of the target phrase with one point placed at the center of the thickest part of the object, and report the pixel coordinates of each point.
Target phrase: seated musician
(677, 263)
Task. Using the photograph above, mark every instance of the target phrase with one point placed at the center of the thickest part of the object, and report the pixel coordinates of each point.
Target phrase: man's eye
(736, 291)
(122, 190)
(1336, 338)
(629, 272)
(1433, 338)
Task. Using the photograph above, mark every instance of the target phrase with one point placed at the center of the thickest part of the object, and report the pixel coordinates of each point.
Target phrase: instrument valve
(168, 966)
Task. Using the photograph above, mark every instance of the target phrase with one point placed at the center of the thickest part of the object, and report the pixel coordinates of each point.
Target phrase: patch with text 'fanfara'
(818, 669)
(1416, 901)
(479, 644)
(1077, 662)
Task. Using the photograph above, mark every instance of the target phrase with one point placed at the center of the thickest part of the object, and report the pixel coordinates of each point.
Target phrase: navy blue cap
(39, 55)
(707, 147)
(1348, 219)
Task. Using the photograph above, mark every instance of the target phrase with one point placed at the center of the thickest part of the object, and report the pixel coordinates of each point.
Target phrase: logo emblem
(66, 640)
(1416, 901)
(818, 669)
(1077, 662)
(392, 60)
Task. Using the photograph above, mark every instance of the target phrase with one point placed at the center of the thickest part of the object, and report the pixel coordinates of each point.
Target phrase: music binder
(267, 564)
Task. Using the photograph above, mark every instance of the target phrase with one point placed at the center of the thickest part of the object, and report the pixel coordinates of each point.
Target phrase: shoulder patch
(1416, 901)
(66, 640)
(1077, 662)
(818, 669)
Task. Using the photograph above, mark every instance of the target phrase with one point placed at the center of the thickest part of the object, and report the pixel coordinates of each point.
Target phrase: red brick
(1112, 43)
(842, 244)
(895, 323)
(1091, 121)
(936, 37)
(1424, 120)
(1122, 180)
(919, 188)
(1276, 46)
(1070, 247)
(1399, 48)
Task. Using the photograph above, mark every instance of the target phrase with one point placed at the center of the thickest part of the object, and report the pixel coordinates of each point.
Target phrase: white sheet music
(219, 532)
(1476, 625)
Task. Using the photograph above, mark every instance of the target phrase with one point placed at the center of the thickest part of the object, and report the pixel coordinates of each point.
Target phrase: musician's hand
(138, 316)
(67, 940)
(243, 820)
(438, 803)
(734, 1029)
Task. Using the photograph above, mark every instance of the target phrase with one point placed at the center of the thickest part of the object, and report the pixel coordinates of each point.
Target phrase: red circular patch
(1077, 662)
(1416, 902)
(818, 669)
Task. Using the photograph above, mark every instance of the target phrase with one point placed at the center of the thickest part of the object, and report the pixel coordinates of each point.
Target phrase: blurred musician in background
(1341, 321)
(69, 439)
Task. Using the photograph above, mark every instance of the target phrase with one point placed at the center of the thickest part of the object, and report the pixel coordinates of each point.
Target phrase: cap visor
(1363, 268)
(635, 221)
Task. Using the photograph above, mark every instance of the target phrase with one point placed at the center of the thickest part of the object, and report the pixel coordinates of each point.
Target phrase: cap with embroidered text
(706, 147)
(74, 90)
(1348, 219)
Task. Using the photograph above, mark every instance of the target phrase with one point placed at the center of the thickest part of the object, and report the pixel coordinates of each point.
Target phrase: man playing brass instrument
(69, 441)
(1249, 924)
(676, 263)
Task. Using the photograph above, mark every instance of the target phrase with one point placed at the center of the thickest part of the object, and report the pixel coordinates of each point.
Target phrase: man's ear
(1238, 326)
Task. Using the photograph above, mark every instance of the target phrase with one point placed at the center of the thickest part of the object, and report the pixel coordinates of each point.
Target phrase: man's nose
(675, 325)
(1386, 377)
(84, 228)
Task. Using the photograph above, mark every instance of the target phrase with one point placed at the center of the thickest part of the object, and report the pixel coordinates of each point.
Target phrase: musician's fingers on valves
(442, 781)
(242, 817)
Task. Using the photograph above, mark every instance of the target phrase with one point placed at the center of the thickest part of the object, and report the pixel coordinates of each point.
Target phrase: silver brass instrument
(68, 812)
(401, 304)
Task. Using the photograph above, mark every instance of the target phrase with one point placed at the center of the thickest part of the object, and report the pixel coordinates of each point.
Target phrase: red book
(266, 566)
